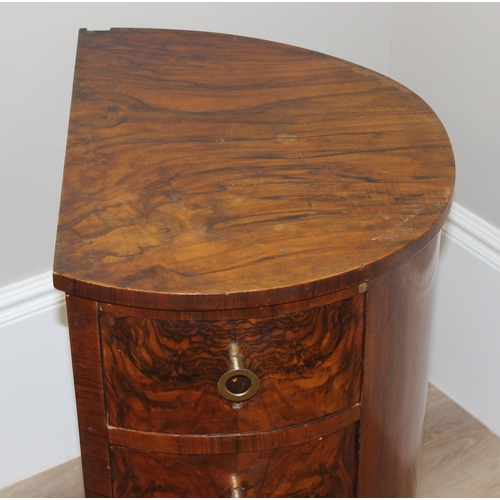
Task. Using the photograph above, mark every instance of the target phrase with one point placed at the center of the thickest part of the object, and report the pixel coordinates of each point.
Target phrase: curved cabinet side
(398, 313)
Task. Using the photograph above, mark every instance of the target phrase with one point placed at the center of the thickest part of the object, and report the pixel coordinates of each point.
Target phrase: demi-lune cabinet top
(215, 171)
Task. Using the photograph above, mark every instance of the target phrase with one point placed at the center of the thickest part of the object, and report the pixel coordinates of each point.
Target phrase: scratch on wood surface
(405, 227)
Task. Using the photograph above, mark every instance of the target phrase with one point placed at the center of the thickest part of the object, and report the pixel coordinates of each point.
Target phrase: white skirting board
(37, 406)
(465, 349)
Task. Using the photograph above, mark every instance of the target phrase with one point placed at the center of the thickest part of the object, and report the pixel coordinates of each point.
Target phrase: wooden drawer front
(161, 375)
(324, 467)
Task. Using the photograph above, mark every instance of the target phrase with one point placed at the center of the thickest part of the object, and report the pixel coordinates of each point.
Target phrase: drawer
(325, 467)
(162, 375)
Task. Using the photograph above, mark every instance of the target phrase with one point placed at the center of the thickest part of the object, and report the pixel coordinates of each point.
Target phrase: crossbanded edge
(36, 295)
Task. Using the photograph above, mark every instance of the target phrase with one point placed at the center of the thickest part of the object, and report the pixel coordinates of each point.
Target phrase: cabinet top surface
(213, 169)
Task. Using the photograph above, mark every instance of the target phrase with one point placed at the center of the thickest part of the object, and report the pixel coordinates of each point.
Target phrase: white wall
(466, 338)
(37, 406)
(447, 53)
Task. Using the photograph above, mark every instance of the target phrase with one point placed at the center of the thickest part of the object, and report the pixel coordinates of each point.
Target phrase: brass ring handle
(238, 384)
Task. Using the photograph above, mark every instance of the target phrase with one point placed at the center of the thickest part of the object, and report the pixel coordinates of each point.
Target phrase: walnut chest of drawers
(247, 239)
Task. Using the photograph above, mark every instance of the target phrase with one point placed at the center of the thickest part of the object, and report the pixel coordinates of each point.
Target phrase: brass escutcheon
(238, 384)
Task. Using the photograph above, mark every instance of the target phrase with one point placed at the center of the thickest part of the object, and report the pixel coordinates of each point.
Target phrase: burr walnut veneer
(247, 239)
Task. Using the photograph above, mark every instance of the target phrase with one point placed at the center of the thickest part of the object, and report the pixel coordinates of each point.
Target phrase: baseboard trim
(474, 235)
(35, 295)
(27, 298)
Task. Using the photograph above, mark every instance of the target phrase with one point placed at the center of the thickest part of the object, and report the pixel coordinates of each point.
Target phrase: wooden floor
(461, 458)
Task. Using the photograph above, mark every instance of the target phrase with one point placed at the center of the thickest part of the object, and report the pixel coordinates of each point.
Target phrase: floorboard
(63, 481)
(461, 457)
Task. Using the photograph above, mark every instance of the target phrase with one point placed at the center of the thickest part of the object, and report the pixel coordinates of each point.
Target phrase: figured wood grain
(459, 459)
(208, 171)
(87, 372)
(161, 375)
(208, 177)
(324, 467)
(233, 443)
(398, 310)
